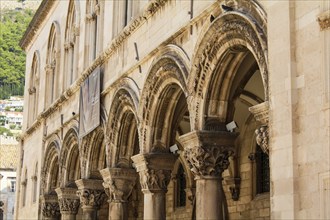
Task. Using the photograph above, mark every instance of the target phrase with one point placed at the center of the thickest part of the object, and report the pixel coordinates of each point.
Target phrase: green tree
(13, 23)
(6, 131)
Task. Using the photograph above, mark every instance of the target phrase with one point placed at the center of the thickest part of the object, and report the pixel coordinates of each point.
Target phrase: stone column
(207, 153)
(92, 196)
(118, 184)
(261, 114)
(50, 208)
(155, 173)
(68, 202)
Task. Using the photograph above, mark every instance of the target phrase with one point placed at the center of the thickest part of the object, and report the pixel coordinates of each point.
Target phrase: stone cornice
(36, 23)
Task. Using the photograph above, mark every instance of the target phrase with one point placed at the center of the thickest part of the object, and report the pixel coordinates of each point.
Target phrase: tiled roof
(9, 156)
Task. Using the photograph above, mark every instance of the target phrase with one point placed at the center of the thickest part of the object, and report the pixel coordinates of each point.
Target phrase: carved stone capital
(208, 152)
(261, 112)
(118, 183)
(324, 20)
(262, 138)
(68, 200)
(154, 170)
(91, 193)
(49, 206)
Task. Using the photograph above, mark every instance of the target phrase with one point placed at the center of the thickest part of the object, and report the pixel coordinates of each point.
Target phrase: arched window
(35, 184)
(71, 35)
(24, 186)
(262, 171)
(34, 89)
(181, 185)
(52, 65)
(92, 29)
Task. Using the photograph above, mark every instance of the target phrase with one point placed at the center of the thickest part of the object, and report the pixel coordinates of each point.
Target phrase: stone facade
(208, 110)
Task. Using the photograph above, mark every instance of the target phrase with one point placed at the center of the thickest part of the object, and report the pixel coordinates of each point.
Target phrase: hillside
(12, 59)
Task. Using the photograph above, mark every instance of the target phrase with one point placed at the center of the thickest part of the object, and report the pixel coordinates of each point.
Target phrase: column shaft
(118, 211)
(155, 206)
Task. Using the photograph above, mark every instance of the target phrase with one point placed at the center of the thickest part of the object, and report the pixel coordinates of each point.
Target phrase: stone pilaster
(261, 114)
(118, 185)
(155, 173)
(92, 196)
(68, 202)
(50, 207)
(207, 153)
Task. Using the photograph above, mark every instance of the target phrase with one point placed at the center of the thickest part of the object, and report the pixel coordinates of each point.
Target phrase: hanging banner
(89, 105)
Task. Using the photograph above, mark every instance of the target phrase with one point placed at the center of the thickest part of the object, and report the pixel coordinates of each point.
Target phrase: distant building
(9, 156)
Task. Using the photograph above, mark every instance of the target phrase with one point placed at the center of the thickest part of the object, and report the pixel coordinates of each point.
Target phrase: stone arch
(33, 89)
(167, 76)
(95, 158)
(50, 171)
(53, 64)
(241, 29)
(69, 158)
(123, 120)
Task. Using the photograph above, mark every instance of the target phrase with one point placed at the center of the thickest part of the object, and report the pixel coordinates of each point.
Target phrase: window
(12, 186)
(181, 187)
(262, 171)
(24, 186)
(70, 46)
(52, 65)
(33, 90)
(92, 22)
(35, 184)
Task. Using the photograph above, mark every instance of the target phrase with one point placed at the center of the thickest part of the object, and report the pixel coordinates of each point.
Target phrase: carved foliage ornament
(208, 161)
(262, 136)
(69, 205)
(90, 197)
(154, 180)
(50, 209)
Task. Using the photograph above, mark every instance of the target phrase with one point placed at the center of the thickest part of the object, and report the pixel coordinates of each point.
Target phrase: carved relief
(50, 209)
(262, 136)
(155, 180)
(324, 20)
(91, 197)
(69, 205)
(208, 161)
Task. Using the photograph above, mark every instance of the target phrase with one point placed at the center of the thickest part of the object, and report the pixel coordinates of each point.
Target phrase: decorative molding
(91, 197)
(324, 20)
(118, 183)
(154, 170)
(70, 206)
(262, 138)
(208, 152)
(91, 193)
(50, 207)
(261, 112)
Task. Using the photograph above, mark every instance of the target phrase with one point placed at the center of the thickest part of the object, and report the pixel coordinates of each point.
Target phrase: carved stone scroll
(324, 20)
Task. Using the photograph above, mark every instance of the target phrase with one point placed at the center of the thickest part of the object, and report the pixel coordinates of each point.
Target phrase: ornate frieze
(118, 183)
(154, 170)
(208, 152)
